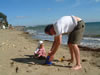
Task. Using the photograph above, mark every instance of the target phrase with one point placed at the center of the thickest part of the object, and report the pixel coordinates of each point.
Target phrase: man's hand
(51, 55)
(56, 43)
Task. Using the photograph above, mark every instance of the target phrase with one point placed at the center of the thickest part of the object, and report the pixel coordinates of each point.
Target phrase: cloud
(59, 0)
(76, 4)
(22, 17)
(49, 9)
(97, 0)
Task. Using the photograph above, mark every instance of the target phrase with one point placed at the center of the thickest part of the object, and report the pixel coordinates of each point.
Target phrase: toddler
(40, 51)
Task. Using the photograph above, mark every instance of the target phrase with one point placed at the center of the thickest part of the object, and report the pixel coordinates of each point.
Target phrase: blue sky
(37, 12)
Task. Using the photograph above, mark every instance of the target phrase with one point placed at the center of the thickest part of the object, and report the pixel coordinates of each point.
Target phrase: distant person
(74, 27)
(3, 27)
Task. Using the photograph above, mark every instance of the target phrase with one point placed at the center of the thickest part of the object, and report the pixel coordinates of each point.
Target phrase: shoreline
(38, 32)
(84, 47)
(16, 47)
(90, 45)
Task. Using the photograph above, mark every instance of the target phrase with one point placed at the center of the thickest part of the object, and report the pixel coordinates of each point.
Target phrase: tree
(4, 19)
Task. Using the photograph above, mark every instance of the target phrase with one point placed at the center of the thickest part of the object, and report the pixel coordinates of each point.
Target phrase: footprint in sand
(17, 69)
(84, 60)
(28, 71)
(12, 64)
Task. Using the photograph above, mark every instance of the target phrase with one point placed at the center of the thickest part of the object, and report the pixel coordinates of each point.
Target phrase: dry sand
(16, 49)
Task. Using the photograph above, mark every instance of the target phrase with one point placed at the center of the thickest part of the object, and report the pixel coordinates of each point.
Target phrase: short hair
(48, 27)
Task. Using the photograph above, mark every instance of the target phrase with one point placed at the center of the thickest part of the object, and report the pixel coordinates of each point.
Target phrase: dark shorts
(76, 35)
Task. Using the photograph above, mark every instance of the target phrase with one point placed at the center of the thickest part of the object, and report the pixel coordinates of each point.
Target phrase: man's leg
(77, 57)
(71, 53)
(74, 39)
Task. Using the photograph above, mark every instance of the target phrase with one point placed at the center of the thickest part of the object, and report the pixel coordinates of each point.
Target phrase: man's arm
(56, 43)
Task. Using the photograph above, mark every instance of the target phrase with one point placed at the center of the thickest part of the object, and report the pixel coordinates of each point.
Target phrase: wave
(91, 38)
(31, 31)
(96, 35)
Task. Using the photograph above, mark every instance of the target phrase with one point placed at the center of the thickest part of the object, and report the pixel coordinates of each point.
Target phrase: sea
(90, 39)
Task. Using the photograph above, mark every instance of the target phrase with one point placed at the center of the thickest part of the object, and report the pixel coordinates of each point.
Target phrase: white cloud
(76, 4)
(49, 9)
(22, 17)
(97, 0)
(59, 0)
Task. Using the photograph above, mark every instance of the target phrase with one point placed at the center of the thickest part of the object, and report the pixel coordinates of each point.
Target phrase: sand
(17, 48)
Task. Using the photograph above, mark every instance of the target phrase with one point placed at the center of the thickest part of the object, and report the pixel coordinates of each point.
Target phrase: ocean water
(91, 35)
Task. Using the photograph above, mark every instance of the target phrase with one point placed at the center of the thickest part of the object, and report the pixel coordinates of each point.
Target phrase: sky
(41, 12)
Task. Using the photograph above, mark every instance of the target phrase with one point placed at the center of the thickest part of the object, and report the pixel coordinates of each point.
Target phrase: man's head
(49, 29)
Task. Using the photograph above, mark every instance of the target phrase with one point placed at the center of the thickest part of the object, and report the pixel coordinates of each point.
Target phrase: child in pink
(40, 51)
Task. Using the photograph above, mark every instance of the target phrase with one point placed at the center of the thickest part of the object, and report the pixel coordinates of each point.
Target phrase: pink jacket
(41, 52)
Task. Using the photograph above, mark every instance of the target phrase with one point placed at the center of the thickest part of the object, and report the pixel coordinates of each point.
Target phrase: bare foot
(77, 67)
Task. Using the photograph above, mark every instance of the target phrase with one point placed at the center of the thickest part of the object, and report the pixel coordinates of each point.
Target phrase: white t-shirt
(65, 24)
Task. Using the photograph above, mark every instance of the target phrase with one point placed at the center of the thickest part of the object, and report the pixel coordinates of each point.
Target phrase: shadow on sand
(29, 60)
(89, 49)
(32, 60)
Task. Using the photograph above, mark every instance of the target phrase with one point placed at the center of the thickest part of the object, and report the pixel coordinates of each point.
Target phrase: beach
(16, 57)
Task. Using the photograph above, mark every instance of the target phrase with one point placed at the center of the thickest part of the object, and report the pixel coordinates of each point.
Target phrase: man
(72, 25)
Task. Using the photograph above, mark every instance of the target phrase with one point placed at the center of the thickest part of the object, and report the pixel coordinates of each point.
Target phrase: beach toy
(62, 58)
(47, 61)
